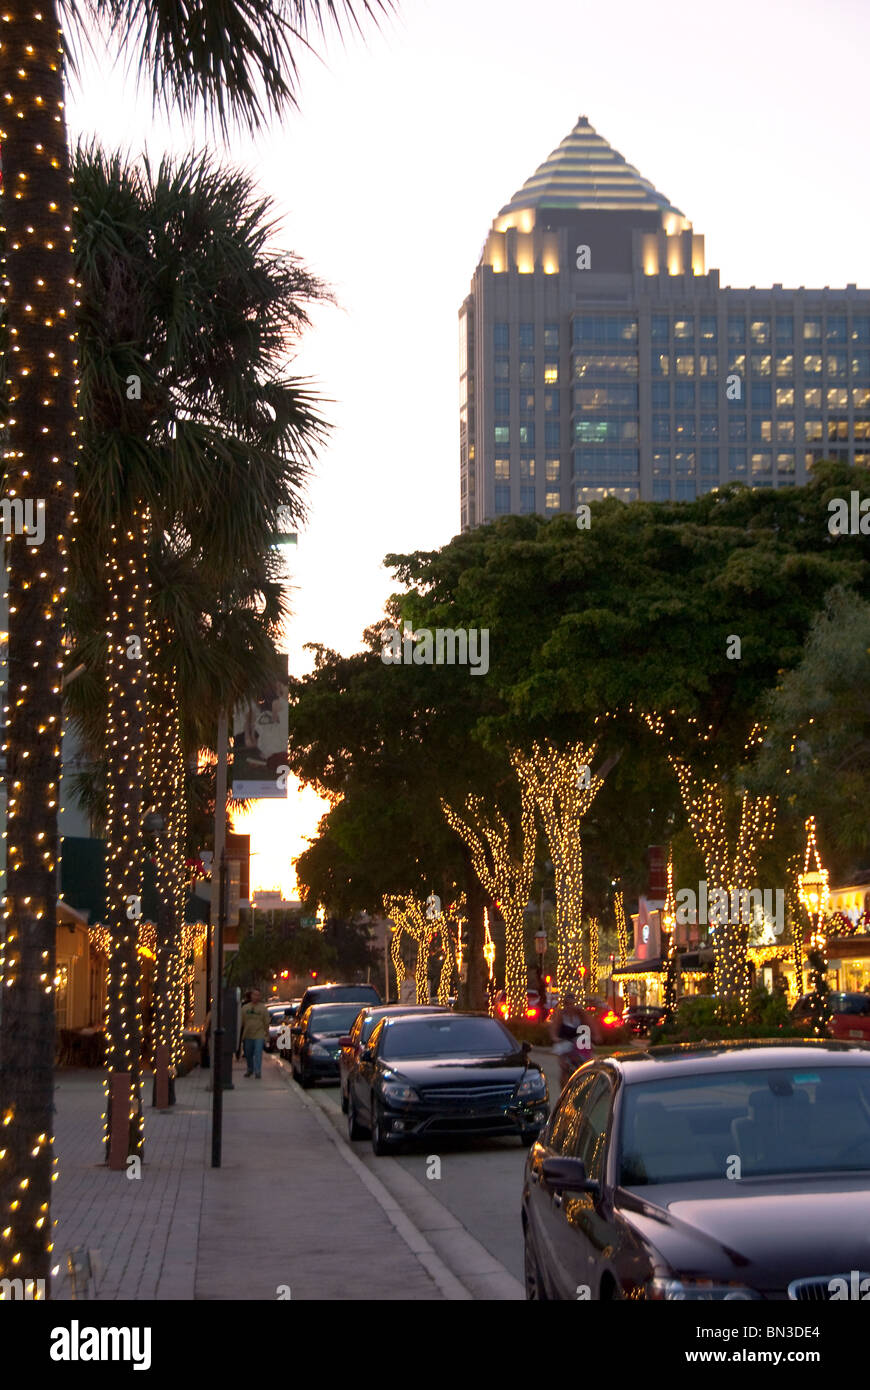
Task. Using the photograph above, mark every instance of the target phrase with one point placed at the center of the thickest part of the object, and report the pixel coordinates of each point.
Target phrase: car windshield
(329, 1018)
(276, 1015)
(850, 1003)
(798, 1120)
(447, 1036)
(366, 994)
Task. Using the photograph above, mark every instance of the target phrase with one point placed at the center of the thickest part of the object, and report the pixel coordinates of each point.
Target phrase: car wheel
(354, 1129)
(528, 1137)
(343, 1103)
(304, 1078)
(294, 1073)
(379, 1144)
(535, 1291)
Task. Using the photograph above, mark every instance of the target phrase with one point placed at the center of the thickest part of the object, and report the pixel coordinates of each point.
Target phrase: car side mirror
(568, 1175)
(527, 1047)
(345, 1042)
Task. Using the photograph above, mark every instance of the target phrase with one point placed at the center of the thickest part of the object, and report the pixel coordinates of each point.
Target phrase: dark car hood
(763, 1232)
(457, 1071)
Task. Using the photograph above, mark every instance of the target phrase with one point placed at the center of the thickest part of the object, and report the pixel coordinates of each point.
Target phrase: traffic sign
(541, 942)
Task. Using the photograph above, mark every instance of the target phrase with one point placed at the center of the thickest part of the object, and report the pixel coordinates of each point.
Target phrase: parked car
(280, 1015)
(641, 1018)
(850, 1015)
(364, 1025)
(606, 1024)
(426, 1075)
(338, 994)
(632, 1190)
(315, 1041)
(536, 1010)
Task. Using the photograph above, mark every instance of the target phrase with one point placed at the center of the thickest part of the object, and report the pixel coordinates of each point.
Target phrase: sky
(751, 118)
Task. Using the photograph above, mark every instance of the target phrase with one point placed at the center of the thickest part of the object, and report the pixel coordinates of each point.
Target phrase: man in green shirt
(255, 1030)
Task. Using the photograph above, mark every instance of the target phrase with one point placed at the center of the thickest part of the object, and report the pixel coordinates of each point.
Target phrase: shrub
(705, 1018)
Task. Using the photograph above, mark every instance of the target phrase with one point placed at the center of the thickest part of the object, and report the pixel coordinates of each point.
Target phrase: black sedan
(314, 1041)
(366, 1023)
(435, 1074)
(722, 1171)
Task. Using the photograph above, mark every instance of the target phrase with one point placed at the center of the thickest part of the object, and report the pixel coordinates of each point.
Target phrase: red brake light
(531, 1013)
(611, 1019)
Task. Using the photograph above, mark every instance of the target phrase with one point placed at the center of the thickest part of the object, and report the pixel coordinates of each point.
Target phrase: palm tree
(237, 61)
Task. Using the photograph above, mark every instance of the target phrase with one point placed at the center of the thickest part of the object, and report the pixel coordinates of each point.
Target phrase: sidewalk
(285, 1215)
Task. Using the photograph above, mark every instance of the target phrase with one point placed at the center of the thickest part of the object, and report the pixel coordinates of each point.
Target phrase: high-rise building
(599, 357)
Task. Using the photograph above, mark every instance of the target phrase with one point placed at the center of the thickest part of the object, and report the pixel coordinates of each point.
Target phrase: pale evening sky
(750, 117)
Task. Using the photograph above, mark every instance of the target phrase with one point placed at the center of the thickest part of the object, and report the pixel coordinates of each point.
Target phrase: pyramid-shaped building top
(584, 172)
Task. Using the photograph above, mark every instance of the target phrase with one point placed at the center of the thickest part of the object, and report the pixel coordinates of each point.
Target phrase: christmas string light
(621, 925)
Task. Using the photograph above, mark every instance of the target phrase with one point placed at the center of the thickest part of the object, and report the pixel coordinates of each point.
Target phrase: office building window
(501, 336)
(552, 434)
(759, 332)
(812, 430)
(551, 373)
(709, 328)
(660, 363)
(762, 463)
(684, 461)
(813, 397)
(760, 363)
(785, 398)
(553, 470)
(709, 426)
(737, 363)
(527, 402)
(762, 430)
(603, 463)
(551, 335)
(684, 395)
(503, 470)
(812, 364)
(837, 398)
(602, 364)
(502, 401)
(861, 427)
(661, 463)
(736, 427)
(502, 434)
(501, 369)
(684, 332)
(861, 328)
(684, 427)
(661, 427)
(661, 395)
(623, 396)
(527, 469)
(527, 371)
(736, 332)
(785, 431)
(785, 461)
(708, 364)
(860, 397)
(527, 337)
(836, 365)
(838, 429)
(785, 328)
(785, 365)
(551, 402)
(552, 501)
(684, 364)
(659, 328)
(861, 366)
(762, 394)
(737, 464)
(710, 461)
(812, 330)
(684, 490)
(527, 436)
(835, 328)
(709, 395)
(592, 330)
(502, 500)
(661, 490)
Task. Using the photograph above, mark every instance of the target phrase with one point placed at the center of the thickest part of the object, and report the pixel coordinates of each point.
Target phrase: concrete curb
(451, 1287)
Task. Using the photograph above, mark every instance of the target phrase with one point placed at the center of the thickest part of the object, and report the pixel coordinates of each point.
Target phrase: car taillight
(611, 1019)
(502, 1008)
(531, 1013)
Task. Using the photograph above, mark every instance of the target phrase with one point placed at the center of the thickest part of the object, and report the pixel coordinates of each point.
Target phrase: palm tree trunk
(38, 466)
(127, 630)
(168, 796)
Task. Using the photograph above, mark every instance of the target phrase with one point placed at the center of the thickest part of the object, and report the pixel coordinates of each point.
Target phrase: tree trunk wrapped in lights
(126, 762)
(504, 862)
(408, 914)
(167, 785)
(564, 787)
(621, 925)
(38, 297)
(593, 956)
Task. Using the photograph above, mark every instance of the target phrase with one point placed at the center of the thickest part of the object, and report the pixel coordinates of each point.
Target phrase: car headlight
(318, 1050)
(533, 1086)
(399, 1092)
(698, 1291)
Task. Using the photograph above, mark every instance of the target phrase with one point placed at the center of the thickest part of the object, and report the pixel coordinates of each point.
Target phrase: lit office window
(813, 397)
(709, 328)
(785, 431)
(502, 434)
(785, 365)
(552, 501)
(553, 470)
(503, 470)
(812, 430)
(812, 364)
(708, 364)
(838, 429)
(661, 461)
(737, 363)
(861, 427)
(760, 363)
(684, 427)
(812, 330)
(684, 461)
(785, 462)
(527, 402)
(660, 363)
(861, 328)
(551, 373)
(836, 364)
(527, 436)
(762, 463)
(684, 331)
(759, 332)
(861, 397)
(603, 364)
(861, 366)
(527, 468)
(684, 365)
(785, 398)
(837, 398)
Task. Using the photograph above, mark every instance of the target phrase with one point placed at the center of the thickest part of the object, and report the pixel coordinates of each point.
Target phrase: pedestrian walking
(255, 1030)
(570, 1044)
